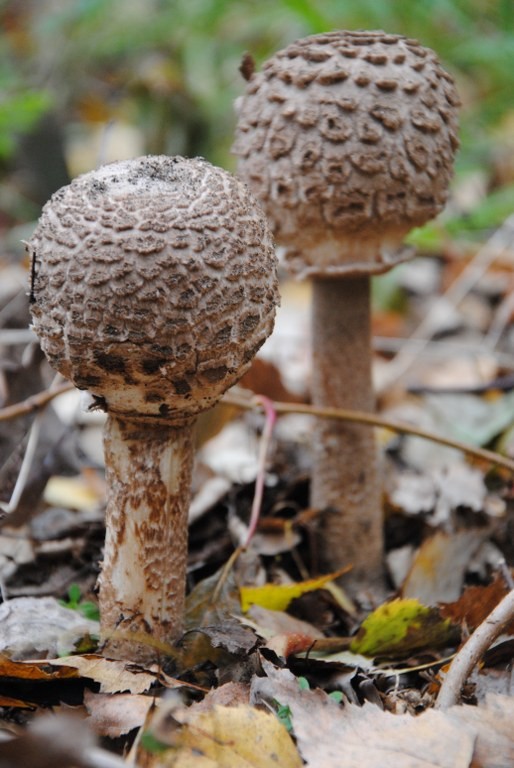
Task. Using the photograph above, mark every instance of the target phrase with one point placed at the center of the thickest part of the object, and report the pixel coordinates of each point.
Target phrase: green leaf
(400, 627)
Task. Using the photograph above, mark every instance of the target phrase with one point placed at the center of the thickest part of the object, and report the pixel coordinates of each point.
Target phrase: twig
(267, 433)
(472, 651)
(26, 465)
(271, 417)
(30, 452)
(373, 420)
(34, 402)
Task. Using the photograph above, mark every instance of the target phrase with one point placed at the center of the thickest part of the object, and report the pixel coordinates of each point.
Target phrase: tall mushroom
(348, 139)
(154, 285)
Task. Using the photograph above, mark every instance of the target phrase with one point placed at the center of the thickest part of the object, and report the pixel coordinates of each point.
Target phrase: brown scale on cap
(153, 286)
(347, 139)
(354, 133)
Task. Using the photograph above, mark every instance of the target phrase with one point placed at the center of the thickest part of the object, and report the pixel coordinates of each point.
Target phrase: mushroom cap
(348, 140)
(154, 284)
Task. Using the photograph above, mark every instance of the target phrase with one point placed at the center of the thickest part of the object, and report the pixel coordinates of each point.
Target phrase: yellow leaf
(232, 737)
(276, 597)
(74, 492)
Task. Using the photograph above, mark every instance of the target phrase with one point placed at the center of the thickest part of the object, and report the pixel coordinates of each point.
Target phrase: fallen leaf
(115, 715)
(113, 676)
(7, 701)
(15, 549)
(212, 601)
(441, 490)
(470, 418)
(35, 670)
(264, 378)
(400, 627)
(227, 695)
(232, 737)
(72, 492)
(413, 492)
(277, 597)
(292, 643)
(268, 623)
(40, 626)
(458, 485)
(367, 737)
(476, 603)
(438, 568)
(231, 636)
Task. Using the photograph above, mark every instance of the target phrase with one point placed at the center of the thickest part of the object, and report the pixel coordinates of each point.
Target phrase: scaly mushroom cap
(346, 138)
(154, 284)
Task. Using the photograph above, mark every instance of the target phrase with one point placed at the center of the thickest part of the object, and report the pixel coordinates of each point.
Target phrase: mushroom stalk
(345, 477)
(142, 585)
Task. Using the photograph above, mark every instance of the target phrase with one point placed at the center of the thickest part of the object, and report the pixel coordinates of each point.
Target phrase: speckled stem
(142, 585)
(345, 474)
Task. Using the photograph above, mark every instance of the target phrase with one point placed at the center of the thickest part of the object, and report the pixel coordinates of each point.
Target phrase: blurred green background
(87, 81)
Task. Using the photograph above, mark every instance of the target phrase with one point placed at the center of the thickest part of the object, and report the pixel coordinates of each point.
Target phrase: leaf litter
(277, 664)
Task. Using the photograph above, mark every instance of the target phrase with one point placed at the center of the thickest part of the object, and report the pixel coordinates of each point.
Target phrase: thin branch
(26, 466)
(373, 420)
(28, 458)
(473, 650)
(34, 402)
(265, 442)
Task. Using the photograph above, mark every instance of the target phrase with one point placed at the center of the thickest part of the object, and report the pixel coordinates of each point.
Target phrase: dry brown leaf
(476, 603)
(264, 378)
(32, 670)
(114, 715)
(268, 623)
(227, 695)
(113, 676)
(367, 737)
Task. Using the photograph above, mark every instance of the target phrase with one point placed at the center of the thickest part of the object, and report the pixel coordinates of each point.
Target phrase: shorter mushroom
(154, 285)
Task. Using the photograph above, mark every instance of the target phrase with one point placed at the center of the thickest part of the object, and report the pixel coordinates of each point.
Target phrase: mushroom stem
(142, 585)
(345, 478)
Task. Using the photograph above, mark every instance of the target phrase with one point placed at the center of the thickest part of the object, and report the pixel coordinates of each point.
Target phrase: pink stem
(267, 433)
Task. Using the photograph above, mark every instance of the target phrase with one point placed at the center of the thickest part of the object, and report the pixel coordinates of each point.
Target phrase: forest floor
(298, 671)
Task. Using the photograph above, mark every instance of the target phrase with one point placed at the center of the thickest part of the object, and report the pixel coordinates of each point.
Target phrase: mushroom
(347, 139)
(154, 285)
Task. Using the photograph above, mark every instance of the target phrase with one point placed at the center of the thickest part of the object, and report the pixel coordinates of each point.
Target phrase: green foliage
(169, 68)
(87, 608)
(18, 113)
